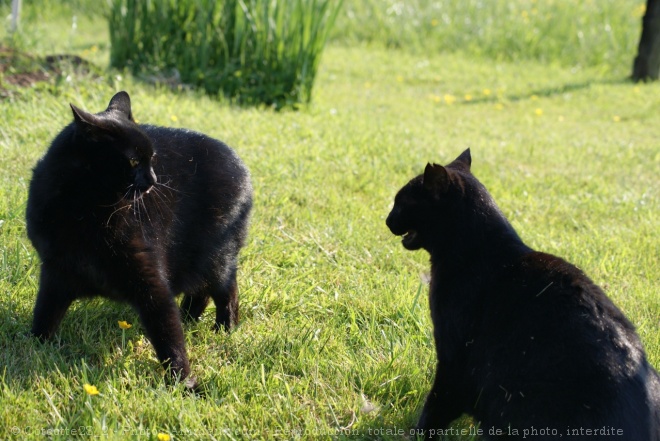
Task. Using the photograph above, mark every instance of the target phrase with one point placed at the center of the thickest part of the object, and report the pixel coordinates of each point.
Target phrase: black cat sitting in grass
(526, 343)
(138, 214)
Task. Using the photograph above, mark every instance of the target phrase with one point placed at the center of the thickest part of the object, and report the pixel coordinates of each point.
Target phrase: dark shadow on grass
(549, 91)
(87, 338)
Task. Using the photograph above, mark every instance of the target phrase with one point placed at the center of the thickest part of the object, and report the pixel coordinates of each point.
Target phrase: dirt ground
(19, 69)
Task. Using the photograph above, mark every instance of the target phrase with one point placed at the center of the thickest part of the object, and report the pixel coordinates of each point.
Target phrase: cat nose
(390, 220)
(146, 180)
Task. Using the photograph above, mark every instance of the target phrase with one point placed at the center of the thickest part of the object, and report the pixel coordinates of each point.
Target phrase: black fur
(524, 339)
(138, 214)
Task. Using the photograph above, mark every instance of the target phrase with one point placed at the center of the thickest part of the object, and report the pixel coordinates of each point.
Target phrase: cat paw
(43, 337)
(189, 318)
(191, 384)
(193, 387)
(220, 327)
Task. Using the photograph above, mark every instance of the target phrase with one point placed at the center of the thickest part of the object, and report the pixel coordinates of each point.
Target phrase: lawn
(335, 336)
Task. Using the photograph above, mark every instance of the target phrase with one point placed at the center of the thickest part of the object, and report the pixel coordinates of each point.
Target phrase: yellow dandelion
(450, 99)
(91, 390)
(163, 437)
(561, 118)
(174, 118)
(399, 79)
(538, 112)
(499, 106)
(435, 98)
(124, 324)
(367, 85)
(434, 22)
(94, 48)
(468, 97)
(534, 97)
(487, 92)
(616, 118)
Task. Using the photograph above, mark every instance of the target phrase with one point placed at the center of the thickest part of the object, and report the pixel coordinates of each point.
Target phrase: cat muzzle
(411, 240)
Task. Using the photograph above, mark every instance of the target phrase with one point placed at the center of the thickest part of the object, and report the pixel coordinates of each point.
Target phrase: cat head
(114, 147)
(431, 203)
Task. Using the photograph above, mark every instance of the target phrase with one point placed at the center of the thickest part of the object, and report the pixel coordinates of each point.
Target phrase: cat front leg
(53, 299)
(160, 317)
(441, 407)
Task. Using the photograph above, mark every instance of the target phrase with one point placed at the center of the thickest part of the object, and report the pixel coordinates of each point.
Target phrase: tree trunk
(15, 14)
(647, 62)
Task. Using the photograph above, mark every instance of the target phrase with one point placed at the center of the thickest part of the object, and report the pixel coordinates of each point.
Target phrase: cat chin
(411, 240)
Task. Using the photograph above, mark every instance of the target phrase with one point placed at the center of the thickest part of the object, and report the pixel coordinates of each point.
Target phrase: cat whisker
(160, 201)
(167, 186)
(144, 207)
(121, 199)
(107, 223)
(136, 207)
(124, 198)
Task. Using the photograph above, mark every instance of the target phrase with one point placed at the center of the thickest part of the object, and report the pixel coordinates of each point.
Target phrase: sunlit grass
(335, 331)
(335, 338)
(600, 33)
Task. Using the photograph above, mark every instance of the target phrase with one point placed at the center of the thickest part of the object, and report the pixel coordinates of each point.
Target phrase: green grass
(252, 52)
(601, 33)
(335, 337)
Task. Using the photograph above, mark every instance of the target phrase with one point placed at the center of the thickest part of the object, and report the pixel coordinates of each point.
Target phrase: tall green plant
(252, 51)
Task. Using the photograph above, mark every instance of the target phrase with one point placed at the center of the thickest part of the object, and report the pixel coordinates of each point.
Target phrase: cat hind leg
(193, 305)
(225, 297)
(53, 300)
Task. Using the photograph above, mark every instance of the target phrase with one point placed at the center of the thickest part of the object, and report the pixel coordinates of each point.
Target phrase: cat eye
(134, 162)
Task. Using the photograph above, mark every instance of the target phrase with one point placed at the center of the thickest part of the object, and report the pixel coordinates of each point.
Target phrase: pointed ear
(94, 126)
(436, 179)
(121, 103)
(84, 117)
(465, 158)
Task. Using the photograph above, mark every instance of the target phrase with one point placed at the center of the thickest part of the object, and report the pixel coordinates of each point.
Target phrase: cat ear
(85, 117)
(94, 126)
(436, 179)
(121, 103)
(465, 159)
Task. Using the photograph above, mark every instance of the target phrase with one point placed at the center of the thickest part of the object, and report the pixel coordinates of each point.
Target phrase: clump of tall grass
(251, 51)
(585, 33)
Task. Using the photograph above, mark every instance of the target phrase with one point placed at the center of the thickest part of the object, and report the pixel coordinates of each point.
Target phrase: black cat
(138, 214)
(526, 343)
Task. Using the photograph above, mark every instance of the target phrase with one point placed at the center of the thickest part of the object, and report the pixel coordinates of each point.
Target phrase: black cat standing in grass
(138, 214)
(524, 340)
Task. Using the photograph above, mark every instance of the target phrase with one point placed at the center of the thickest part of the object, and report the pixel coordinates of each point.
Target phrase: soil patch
(19, 69)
